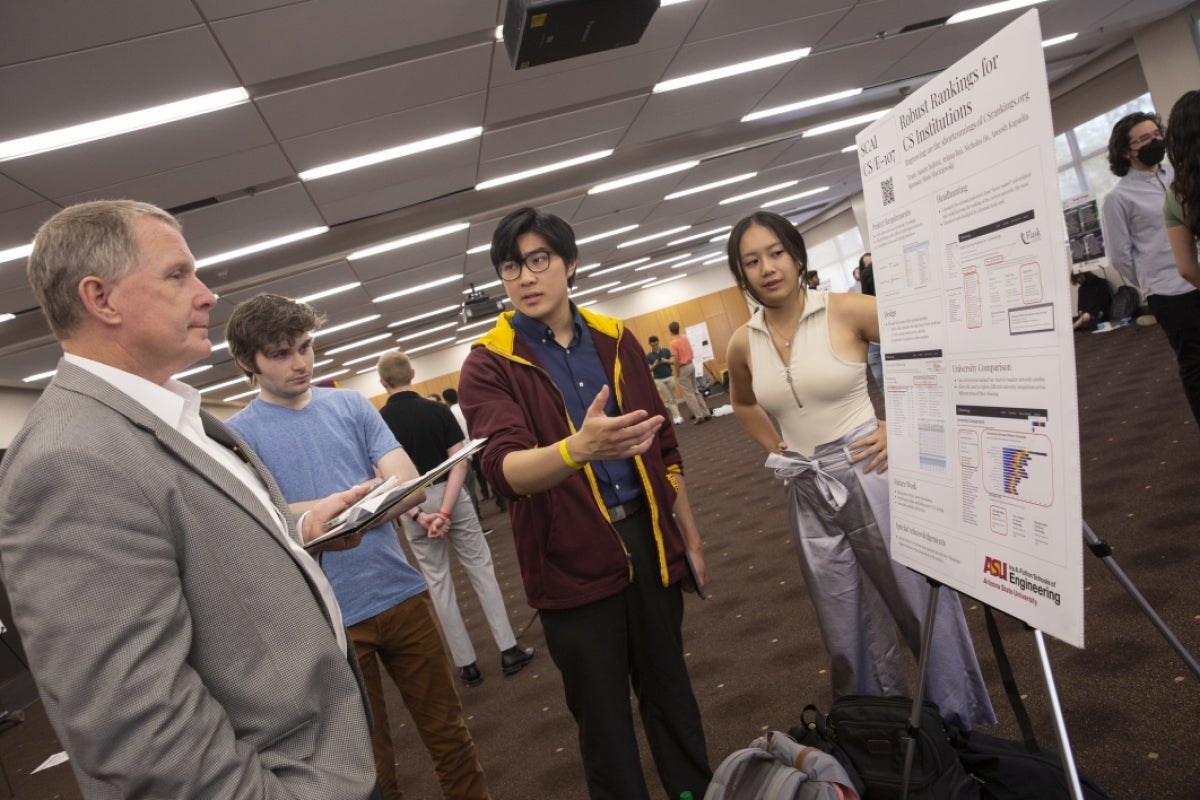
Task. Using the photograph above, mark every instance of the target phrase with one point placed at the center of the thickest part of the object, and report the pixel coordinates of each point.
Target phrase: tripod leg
(914, 718)
(1101, 550)
(1060, 726)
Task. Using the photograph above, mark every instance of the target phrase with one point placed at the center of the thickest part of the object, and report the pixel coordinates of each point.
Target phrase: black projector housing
(541, 31)
(479, 306)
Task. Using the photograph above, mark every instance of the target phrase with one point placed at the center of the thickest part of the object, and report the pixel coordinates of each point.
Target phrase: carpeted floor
(1131, 707)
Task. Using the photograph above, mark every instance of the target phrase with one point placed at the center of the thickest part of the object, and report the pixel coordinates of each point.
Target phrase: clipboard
(375, 505)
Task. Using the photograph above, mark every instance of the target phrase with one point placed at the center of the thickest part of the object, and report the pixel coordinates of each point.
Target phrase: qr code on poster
(888, 186)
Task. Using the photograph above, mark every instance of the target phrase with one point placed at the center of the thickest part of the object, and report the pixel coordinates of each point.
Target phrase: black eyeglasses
(537, 261)
(1145, 139)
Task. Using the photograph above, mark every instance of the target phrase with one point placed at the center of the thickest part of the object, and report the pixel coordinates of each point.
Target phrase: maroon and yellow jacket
(569, 552)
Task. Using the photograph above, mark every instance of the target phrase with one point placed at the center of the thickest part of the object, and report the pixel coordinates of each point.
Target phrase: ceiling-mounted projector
(479, 306)
(541, 31)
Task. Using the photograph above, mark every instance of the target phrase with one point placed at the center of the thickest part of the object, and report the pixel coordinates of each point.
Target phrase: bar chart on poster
(967, 234)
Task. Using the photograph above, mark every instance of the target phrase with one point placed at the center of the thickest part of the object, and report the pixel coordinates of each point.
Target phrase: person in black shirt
(429, 434)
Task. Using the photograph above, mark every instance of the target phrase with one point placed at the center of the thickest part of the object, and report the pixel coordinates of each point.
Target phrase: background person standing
(1135, 237)
(430, 434)
(685, 372)
(659, 359)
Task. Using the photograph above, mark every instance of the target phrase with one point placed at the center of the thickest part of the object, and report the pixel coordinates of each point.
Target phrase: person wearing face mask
(1136, 240)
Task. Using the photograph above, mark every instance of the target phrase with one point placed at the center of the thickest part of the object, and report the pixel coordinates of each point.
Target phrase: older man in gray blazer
(184, 644)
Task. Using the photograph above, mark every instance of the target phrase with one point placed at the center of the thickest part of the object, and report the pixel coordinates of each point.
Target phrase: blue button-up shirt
(578, 373)
(1135, 236)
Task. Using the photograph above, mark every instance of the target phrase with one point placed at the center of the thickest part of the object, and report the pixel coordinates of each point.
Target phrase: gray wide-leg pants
(861, 595)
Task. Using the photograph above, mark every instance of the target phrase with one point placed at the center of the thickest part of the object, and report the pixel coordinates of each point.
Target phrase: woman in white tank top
(800, 364)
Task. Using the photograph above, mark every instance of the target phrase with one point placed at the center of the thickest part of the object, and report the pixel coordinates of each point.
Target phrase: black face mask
(1152, 152)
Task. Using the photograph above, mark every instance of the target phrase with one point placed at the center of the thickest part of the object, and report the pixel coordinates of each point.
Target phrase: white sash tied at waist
(794, 465)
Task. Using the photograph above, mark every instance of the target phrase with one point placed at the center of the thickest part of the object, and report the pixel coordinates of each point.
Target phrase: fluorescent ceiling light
(695, 260)
(438, 343)
(653, 236)
(427, 315)
(391, 153)
(595, 237)
(594, 300)
(586, 268)
(329, 292)
(991, 8)
(370, 357)
(484, 287)
(849, 148)
(122, 123)
(641, 176)
(323, 363)
(483, 248)
(1066, 37)
(625, 265)
(39, 376)
(716, 260)
(419, 288)
(791, 197)
(642, 282)
(790, 107)
(841, 124)
(479, 324)
(279, 241)
(5, 317)
(13, 253)
(767, 190)
(661, 281)
(231, 398)
(355, 345)
(664, 3)
(409, 336)
(329, 375)
(189, 372)
(731, 70)
(594, 289)
(705, 187)
(405, 241)
(662, 262)
(713, 232)
(500, 29)
(542, 170)
(219, 346)
(343, 326)
(222, 385)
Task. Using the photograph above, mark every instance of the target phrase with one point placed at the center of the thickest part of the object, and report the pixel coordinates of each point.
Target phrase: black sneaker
(471, 675)
(514, 659)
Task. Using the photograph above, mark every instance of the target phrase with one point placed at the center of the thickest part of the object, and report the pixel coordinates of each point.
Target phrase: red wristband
(443, 515)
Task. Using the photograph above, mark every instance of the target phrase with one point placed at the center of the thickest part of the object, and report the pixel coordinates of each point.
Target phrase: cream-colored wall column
(1170, 58)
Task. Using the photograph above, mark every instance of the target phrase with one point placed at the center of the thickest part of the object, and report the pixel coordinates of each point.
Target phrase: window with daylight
(834, 248)
(1082, 152)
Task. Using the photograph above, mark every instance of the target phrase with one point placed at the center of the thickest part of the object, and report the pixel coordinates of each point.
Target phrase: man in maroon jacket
(579, 441)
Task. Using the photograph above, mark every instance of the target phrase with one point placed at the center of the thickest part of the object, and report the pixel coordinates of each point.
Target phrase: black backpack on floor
(1008, 770)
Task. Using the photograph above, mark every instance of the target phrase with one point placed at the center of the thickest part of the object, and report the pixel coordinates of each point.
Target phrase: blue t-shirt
(325, 447)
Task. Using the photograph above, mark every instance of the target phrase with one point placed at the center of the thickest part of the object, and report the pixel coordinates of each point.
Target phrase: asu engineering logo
(995, 567)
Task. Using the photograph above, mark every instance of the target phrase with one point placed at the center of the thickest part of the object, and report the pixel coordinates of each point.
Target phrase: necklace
(785, 356)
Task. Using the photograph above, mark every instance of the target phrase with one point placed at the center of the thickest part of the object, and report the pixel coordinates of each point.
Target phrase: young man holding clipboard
(311, 438)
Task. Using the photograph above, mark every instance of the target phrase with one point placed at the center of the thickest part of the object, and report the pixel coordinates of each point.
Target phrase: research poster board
(967, 236)
(702, 350)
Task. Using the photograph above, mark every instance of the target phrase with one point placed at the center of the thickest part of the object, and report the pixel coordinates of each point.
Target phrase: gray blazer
(177, 645)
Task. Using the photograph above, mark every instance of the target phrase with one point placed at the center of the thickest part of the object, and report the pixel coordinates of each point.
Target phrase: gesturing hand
(604, 438)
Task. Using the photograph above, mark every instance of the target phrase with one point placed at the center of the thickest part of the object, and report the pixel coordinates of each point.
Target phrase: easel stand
(1103, 551)
(914, 719)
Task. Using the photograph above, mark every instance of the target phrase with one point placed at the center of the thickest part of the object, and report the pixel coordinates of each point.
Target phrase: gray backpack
(775, 767)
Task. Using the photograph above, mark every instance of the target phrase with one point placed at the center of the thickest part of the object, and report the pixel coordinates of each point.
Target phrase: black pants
(1179, 317)
(632, 637)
